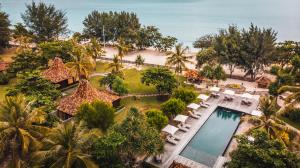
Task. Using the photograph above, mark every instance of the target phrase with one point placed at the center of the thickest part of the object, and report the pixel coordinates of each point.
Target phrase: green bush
(156, 119)
(185, 95)
(4, 78)
(119, 87)
(292, 113)
(274, 69)
(173, 107)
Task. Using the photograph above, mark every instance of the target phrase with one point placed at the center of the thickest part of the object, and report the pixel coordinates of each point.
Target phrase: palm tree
(20, 133)
(178, 58)
(115, 65)
(123, 48)
(67, 146)
(94, 49)
(293, 98)
(82, 64)
(274, 129)
(139, 60)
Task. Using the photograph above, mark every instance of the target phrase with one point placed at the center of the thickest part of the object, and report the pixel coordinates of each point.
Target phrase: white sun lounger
(203, 105)
(175, 137)
(193, 115)
(181, 128)
(188, 126)
(171, 140)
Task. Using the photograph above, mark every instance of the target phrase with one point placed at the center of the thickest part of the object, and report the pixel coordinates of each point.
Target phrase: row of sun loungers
(246, 102)
(228, 98)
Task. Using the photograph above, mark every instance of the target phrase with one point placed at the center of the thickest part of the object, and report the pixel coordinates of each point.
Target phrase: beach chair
(171, 140)
(188, 126)
(158, 158)
(206, 103)
(191, 114)
(181, 128)
(175, 137)
(203, 105)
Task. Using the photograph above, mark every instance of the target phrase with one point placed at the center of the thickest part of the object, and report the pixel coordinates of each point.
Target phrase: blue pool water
(183, 19)
(213, 137)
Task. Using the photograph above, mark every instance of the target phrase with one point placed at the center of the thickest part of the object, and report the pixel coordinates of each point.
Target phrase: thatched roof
(192, 74)
(57, 71)
(263, 79)
(85, 93)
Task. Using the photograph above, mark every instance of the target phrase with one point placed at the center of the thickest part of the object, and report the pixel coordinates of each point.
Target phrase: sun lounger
(188, 126)
(158, 158)
(206, 103)
(193, 115)
(181, 128)
(171, 140)
(203, 105)
(175, 137)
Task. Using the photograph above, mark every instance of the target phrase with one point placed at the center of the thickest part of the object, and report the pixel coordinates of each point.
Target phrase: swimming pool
(213, 137)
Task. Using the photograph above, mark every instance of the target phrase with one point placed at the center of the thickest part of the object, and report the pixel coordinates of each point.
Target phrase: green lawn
(102, 67)
(95, 81)
(143, 104)
(132, 79)
(292, 123)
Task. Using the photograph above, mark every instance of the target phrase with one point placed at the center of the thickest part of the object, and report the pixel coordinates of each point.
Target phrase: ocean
(184, 19)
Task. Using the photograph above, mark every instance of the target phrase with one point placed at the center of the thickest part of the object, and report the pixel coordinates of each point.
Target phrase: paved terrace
(172, 152)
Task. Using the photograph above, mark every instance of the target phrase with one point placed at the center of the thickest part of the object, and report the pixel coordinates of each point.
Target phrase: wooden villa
(58, 73)
(84, 93)
(263, 82)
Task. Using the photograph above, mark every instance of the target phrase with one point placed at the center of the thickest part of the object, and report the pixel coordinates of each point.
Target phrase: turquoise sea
(184, 19)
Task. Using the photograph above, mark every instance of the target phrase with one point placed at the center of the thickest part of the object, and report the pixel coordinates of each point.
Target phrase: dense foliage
(187, 96)
(125, 142)
(156, 119)
(262, 152)
(4, 30)
(172, 107)
(161, 78)
(118, 86)
(292, 113)
(44, 21)
(97, 115)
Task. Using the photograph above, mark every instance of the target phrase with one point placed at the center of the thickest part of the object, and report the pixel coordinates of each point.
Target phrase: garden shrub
(4, 78)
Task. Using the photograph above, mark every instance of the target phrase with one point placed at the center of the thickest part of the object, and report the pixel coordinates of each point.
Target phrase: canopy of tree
(4, 30)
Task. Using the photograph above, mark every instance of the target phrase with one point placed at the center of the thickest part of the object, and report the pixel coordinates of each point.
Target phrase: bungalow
(68, 105)
(58, 73)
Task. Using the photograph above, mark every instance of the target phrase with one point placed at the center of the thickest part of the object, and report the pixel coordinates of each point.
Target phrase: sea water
(184, 19)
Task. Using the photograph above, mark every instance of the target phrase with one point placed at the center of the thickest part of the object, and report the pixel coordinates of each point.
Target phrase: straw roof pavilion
(263, 82)
(85, 93)
(57, 71)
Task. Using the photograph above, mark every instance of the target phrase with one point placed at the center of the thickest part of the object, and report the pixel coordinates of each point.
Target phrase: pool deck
(171, 152)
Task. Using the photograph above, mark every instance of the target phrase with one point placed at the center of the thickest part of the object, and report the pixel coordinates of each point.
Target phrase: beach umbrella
(193, 106)
(181, 118)
(170, 129)
(203, 97)
(215, 89)
(229, 92)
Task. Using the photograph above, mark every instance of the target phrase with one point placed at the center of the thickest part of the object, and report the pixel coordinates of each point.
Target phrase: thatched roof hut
(263, 82)
(193, 76)
(57, 71)
(84, 93)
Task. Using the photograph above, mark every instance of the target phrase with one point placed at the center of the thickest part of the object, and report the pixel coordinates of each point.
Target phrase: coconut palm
(266, 122)
(82, 65)
(116, 64)
(20, 133)
(139, 60)
(67, 146)
(123, 48)
(94, 49)
(293, 98)
(178, 58)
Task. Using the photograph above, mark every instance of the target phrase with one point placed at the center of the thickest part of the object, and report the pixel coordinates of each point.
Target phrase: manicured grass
(102, 67)
(133, 82)
(95, 81)
(8, 54)
(3, 88)
(143, 104)
(292, 123)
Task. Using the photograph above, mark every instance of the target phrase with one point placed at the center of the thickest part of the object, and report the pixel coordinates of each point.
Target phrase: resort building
(58, 73)
(68, 105)
(4, 66)
(263, 82)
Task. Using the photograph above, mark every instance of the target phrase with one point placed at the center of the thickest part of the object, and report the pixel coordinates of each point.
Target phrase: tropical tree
(123, 48)
(82, 63)
(206, 56)
(187, 96)
(118, 86)
(157, 119)
(293, 98)
(147, 36)
(165, 43)
(204, 42)
(5, 31)
(97, 115)
(161, 78)
(67, 146)
(219, 73)
(94, 49)
(20, 132)
(45, 21)
(262, 152)
(266, 122)
(178, 58)
(139, 60)
(116, 64)
(173, 107)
